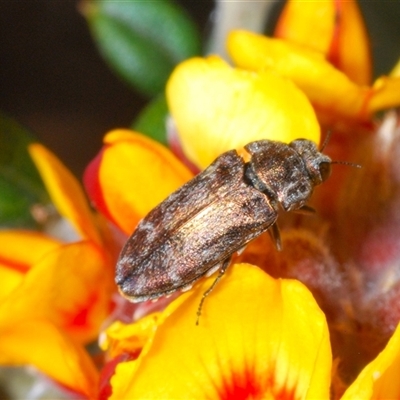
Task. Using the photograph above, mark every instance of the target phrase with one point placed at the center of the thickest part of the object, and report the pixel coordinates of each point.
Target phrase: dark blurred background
(53, 80)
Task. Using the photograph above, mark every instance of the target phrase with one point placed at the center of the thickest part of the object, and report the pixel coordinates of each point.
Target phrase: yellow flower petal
(257, 338)
(218, 108)
(65, 191)
(309, 23)
(326, 87)
(46, 347)
(10, 279)
(128, 338)
(386, 94)
(334, 28)
(71, 286)
(380, 378)
(135, 174)
(19, 250)
(350, 50)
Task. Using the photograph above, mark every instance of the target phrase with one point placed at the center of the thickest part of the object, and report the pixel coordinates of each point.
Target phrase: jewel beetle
(195, 231)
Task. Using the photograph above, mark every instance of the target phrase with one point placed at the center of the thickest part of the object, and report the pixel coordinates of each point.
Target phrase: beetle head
(318, 165)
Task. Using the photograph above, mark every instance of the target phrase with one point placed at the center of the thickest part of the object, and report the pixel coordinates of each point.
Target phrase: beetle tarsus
(222, 271)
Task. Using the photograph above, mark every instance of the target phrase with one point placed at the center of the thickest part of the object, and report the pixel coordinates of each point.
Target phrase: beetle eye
(325, 170)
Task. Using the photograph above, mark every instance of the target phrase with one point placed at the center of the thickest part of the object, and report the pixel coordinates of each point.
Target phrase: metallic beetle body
(219, 211)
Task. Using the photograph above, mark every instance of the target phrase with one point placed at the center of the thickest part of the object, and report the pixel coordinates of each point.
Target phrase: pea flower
(260, 338)
(272, 94)
(262, 333)
(244, 347)
(129, 157)
(323, 49)
(54, 295)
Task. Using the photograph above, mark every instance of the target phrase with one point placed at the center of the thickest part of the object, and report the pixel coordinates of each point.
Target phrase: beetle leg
(240, 251)
(213, 270)
(306, 210)
(275, 236)
(222, 271)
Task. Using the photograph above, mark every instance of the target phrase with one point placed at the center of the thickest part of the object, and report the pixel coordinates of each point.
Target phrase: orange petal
(334, 28)
(19, 250)
(350, 50)
(246, 345)
(380, 378)
(218, 108)
(386, 94)
(70, 286)
(310, 24)
(46, 347)
(326, 87)
(65, 191)
(131, 176)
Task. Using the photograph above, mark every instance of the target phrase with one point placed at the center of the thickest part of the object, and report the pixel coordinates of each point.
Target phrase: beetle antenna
(347, 163)
(324, 144)
(328, 137)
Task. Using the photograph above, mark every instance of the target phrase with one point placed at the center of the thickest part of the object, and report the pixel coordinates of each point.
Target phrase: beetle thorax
(286, 173)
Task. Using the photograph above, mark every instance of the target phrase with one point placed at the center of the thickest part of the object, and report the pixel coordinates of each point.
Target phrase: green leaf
(20, 184)
(142, 40)
(151, 120)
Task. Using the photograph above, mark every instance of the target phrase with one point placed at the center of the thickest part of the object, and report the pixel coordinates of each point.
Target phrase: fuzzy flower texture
(318, 320)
